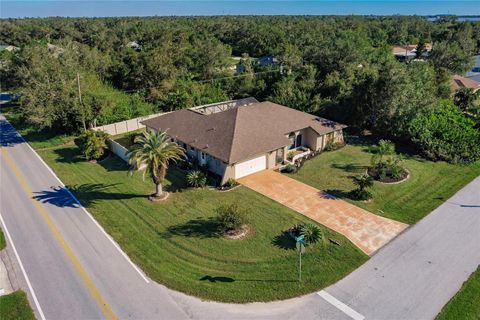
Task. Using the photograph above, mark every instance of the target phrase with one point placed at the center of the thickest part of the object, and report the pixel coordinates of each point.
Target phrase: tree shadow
(217, 279)
(350, 167)
(8, 135)
(340, 194)
(69, 155)
(88, 194)
(284, 241)
(199, 227)
(114, 163)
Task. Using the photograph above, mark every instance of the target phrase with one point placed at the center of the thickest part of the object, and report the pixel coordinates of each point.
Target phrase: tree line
(77, 72)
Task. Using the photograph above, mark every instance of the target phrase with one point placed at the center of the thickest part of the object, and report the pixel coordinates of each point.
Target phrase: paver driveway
(367, 231)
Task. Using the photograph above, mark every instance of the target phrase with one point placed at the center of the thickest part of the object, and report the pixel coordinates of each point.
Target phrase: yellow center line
(61, 240)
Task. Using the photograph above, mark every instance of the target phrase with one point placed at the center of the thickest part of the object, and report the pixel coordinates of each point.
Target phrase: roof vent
(211, 129)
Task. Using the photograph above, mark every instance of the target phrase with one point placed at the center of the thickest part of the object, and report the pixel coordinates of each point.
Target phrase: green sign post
(301, 249)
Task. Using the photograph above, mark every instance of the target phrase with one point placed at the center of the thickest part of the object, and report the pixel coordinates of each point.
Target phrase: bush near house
(196, 179)
(92, 144)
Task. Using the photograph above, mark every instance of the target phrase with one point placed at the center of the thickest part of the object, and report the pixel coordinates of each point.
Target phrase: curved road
(72, 269)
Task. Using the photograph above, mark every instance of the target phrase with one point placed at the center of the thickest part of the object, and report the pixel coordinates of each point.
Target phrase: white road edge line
(115, 244)
(35, 300)
(340, 305)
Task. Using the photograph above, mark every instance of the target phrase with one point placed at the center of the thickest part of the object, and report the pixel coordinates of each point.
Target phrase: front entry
(279, 156)
(298, 142)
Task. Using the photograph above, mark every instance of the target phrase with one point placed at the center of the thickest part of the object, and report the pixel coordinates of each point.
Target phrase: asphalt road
(77, 272)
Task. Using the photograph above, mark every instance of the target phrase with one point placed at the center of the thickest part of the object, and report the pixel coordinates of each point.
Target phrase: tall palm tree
(151, 153)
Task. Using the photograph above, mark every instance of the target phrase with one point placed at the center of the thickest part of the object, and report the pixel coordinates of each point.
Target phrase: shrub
(311, 233)
(196, 179)
(230, 217)
(290, 155)
(363, 182)
(92, 144)
(290, 168)
(231, 183)
(445, 133)
(332, 146)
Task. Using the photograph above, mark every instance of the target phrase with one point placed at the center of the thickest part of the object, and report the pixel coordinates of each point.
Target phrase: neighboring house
(9, 48)
(134, 45)
(459, 82)
(409, 52)
(240, 137)
(475, 72)
(265, 61)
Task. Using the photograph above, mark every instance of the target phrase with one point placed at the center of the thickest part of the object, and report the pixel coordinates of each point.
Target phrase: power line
(213, 79)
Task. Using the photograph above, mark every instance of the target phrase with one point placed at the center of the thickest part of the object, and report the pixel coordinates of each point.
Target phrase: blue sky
(43, 8)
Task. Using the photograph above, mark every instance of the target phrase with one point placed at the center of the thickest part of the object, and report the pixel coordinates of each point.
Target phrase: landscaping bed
(374, 173)
(177, 241)
(429, 185)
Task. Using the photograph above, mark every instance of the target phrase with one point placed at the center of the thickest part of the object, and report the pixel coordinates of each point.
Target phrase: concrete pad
(366, 230)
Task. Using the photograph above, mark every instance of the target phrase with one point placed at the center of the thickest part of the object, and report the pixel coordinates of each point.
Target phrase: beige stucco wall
(229, 172)
(271, 159)
(309, 139)
(339, 136)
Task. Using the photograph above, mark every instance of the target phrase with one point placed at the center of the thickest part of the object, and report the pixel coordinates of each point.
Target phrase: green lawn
(465, 305)
(15, 306)
(125, 139)
(176, 242)
(430, 183)
(38, 139)
(3, 244)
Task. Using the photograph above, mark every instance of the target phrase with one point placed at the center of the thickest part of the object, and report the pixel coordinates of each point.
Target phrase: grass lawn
(430, 183)
(465, 304)
(15, 306)
(176, 242)
(3, 244)
(125, 139)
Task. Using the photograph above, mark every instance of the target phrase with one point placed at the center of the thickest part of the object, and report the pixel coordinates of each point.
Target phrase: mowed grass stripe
(253, 269)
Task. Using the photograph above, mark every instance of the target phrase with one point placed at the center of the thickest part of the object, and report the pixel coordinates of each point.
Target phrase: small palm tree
(363, 182)
(152, 152)
(383, 149)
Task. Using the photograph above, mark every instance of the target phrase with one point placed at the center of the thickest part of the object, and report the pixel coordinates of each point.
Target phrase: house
(240, 137)
(266, 61)
(459, 82)
(8, 48)
(409, 51)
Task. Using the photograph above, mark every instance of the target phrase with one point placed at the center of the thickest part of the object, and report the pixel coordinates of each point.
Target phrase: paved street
(77, 272)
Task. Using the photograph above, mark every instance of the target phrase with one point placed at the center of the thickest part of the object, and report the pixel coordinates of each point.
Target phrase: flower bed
(388, 177)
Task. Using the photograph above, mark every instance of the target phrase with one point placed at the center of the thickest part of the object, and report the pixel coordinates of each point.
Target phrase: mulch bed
(388, 179)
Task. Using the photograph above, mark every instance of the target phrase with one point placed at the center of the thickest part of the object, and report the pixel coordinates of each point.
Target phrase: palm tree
(152, 152)
(364, 181)
(383, 149)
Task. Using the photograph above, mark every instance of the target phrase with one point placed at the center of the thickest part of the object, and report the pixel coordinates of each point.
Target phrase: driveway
(366, 230)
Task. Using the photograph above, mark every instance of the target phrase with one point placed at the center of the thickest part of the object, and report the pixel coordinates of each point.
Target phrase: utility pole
(81, 103)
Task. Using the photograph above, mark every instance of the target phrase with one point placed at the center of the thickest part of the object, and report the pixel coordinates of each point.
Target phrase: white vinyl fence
(118, 149)
(125, 126)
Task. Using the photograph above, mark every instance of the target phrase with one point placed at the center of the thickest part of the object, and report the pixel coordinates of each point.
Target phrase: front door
(299, 141)
(279, 156)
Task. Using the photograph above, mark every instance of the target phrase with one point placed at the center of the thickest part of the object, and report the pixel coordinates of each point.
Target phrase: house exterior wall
(271, 157)
(338, 137)
(309, 139)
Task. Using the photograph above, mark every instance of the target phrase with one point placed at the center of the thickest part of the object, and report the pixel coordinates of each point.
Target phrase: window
(202, 155)
(192, 148)
(184, 146)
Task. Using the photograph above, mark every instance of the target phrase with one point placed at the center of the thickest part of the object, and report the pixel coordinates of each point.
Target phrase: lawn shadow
(350, 167)
(337, 193)
(216, 279)
(200, 228)
(284, 241)
(88, 194)
(69, 155)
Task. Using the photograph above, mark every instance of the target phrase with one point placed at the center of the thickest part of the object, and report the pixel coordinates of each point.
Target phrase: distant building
(8, 47)
(459, 82)
(265, 61)
(409, 52)
(134, 45)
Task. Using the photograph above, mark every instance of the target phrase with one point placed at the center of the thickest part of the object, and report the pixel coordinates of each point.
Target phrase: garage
(243, 169)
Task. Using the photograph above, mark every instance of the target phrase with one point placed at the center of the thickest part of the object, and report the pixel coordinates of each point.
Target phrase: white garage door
(243, 169)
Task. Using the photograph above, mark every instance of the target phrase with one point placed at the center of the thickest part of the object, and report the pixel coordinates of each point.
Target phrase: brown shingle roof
(239, 133)
(459, 82)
